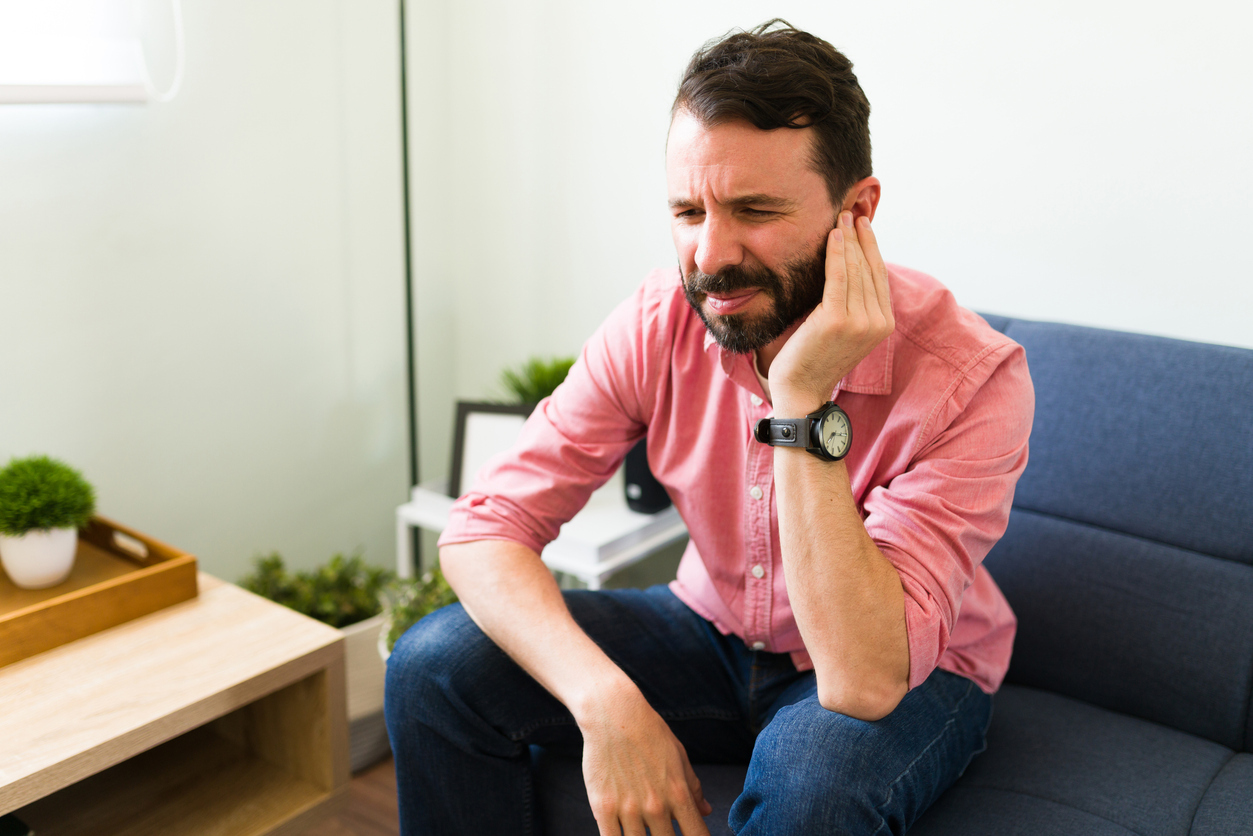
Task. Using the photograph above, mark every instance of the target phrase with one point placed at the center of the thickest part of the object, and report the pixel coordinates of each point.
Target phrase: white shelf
(603, 538)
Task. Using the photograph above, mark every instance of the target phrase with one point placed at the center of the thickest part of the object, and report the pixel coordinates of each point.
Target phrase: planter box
(119, 574)
(367, 730)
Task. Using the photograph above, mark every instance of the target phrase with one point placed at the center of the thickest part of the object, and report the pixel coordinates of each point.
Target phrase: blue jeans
(461, 716)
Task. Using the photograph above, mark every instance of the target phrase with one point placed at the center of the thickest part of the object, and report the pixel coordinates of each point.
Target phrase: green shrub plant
(536, 379)
(343, 591)
(39, 493)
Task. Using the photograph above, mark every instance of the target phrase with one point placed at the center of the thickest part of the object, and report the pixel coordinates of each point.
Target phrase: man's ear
(862, 198)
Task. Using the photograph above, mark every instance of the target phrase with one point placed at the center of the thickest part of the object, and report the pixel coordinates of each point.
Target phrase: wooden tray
(119, 574)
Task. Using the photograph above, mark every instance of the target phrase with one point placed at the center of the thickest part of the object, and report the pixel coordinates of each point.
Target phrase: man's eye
(760, 213)
(688, 214)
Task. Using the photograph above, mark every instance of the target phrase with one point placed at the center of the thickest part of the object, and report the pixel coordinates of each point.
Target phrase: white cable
(176, 9)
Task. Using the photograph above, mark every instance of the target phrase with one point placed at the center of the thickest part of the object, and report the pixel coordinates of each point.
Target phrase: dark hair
(784, 78)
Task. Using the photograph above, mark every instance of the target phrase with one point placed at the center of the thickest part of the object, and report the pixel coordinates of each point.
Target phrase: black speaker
(11, 825)
(644, 494)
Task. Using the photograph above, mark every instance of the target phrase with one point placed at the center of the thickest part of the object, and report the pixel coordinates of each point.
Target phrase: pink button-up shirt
(940, 411)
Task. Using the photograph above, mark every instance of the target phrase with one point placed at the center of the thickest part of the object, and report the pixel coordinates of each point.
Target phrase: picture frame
(481, 430)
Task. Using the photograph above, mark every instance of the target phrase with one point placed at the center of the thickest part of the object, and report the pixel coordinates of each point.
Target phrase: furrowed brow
(762, 200)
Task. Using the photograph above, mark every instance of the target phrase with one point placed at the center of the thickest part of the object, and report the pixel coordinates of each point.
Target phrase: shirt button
(756, 400)
(755, 493)
(758, 645)
(758, 571)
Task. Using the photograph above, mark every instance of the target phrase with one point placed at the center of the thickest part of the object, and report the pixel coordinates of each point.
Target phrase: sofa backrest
(1129, 553)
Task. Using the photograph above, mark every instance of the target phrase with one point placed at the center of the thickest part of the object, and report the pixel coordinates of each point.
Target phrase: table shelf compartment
(265, 768)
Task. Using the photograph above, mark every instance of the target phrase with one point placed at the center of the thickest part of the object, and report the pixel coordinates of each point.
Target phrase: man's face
(749, 219)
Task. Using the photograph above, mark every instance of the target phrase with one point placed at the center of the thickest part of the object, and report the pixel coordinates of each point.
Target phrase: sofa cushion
(1059, 766)
(1148, 438)
(975, 811)
(1144, 435)
(1000, 323)
(1128, 624)
(1225, 810)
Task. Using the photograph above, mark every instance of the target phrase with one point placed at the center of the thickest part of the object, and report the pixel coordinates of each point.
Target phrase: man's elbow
(868, 702)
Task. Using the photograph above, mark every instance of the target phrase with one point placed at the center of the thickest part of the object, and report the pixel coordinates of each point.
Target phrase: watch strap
(784, 432)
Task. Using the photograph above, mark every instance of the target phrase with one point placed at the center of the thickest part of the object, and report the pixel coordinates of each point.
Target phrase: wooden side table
(222, 715)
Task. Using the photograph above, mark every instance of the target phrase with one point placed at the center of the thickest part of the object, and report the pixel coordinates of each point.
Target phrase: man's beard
(794, 294)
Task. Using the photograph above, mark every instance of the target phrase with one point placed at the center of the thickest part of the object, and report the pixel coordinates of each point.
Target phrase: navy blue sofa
(1128, 708)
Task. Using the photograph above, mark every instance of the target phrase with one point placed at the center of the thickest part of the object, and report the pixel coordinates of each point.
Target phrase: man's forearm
(846, 596)
(513, 598)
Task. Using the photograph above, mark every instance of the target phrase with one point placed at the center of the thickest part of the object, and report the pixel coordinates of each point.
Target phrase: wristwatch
(825, 432)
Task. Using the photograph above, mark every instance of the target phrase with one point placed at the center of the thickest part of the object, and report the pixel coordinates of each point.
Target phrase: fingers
(869, 294)
(686, 806)
(693, 787)
(636, 828)
(853, 269)
(690, 821)
(834, 292)
(628, 826)
(608, 825)
(689, 818)
(869, 246)
(658, 820)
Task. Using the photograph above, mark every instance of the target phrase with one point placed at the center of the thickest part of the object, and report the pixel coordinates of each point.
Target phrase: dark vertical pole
(410, 348)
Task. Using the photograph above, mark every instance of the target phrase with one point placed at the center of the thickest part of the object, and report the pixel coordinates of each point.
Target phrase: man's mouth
(729, 303)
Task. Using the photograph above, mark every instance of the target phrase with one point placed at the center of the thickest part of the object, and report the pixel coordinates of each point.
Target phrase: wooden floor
(371, 807)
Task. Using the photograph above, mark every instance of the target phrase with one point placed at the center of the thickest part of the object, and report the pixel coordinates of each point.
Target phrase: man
(830, 620)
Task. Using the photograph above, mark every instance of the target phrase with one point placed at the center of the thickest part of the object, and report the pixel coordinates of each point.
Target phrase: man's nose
(717, 246)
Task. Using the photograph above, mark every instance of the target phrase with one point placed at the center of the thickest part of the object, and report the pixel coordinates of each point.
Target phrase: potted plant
(43, 503)
(407, 601)
(345, 594)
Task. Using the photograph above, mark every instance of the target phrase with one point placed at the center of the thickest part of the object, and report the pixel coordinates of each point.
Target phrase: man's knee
(427, 662)
(813, 771)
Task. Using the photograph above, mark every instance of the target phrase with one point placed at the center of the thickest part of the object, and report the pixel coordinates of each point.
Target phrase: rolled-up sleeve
(938, 519)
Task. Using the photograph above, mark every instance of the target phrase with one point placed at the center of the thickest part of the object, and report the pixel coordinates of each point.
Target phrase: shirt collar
(872, 376)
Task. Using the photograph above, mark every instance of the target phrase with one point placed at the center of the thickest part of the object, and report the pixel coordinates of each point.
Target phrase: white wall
(201, 303)
(1085, 162)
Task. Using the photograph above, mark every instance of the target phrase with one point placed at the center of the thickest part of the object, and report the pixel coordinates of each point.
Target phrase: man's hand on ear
(854, 316)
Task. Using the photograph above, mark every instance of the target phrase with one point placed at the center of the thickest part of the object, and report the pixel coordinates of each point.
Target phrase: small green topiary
(536, 379)
(38, 493)
(410, 600)
(342, 592)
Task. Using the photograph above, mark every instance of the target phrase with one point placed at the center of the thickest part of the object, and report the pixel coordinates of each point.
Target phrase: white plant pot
(384, 653)
(364, 668)
(366, 674)
(39, 559)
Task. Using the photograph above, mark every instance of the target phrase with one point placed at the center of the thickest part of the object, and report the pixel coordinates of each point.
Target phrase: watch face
(835, 433)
